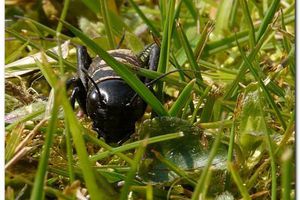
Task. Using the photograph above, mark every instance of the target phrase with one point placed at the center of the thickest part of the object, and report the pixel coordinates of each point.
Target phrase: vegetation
(225, 116)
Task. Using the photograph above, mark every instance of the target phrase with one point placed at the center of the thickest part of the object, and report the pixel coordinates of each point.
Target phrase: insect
(104, 96)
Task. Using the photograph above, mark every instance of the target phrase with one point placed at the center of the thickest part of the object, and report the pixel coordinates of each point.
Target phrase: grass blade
(191, 7)
(271, 152)
(49, 53)
(144, 18)
(233, 15)
(263, 87)
(243, 68)
(37, 191)
(136, 144)
(205, 93)
(24, 119)
(13, 141)
(208, 28)
(96, 192)
(203, 178)
(69, 153)
(133, 169)
(223, 44)
(102, 144)
(182, 99)
(174, 168)
(107, 24)
(166, 43)
(249, 23)
(189, 52)
(15, 54)
(44, 28)
(239, 182)
(223, 16)
(92, 5)
(268, 18)
(286, 178)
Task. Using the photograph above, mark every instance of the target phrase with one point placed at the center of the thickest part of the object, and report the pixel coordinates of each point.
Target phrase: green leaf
(191, 154)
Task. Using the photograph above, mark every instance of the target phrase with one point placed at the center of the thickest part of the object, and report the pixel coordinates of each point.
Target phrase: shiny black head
(115, 110)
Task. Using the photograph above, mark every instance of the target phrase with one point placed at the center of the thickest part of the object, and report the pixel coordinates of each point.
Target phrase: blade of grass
(188, 108)
(216, 124)
(238, 181)
(108, 148)
(24, 119)
(189, 53)
(203, 177)
(16, 53)
(285, 41)
(268, 18)
(253, 179)
(69, 147)
(233, 15)
(62, 17)
(208, 28)
(44, 28)
(191, 7)
(271, 151)
(123, 71)
(288, 133)
(207, 111)
(291, 61)
(166, 43)
(206, 92)
(249, 23)
(263, 87)
(224, 44)
(232, 138)
(223, 16)
(144, 18)
(172, 80)
(13, 141)
(133, 169)
(243, 68)
(133, 145)
(149, 192)
(48, 190)
(286, 176)
(58, 32)
(230, 154)
(107, 24)
(174, 168)
(31, 135)
(92, 5)
(103, 192)
(163, 11)
(182, 99)
(39, 181)
(49, 53)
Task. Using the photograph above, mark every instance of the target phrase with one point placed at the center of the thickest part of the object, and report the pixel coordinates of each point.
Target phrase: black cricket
(105, 97)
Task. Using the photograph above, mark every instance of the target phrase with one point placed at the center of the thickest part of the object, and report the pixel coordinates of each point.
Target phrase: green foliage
(222, 117)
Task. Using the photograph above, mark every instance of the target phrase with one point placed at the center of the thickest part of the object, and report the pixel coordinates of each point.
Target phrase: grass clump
(225, 92)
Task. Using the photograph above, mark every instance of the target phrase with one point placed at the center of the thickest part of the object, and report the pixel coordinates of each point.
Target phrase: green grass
(234, 79)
